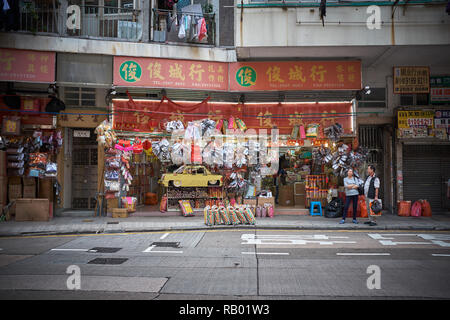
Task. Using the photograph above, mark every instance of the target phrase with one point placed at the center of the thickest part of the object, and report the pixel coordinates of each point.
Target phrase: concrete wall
(344, 26)
(119, 48)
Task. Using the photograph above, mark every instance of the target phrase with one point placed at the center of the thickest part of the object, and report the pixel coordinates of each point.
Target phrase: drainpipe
(241, 23)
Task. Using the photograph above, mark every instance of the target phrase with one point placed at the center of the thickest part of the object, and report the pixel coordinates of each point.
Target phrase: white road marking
(392, 243)
(268, 253)
(291, 239)
(166, 251)
(149, 249)
(85, 250)
(437, 239)
(440, 255)
(164, 236)
(362, 254)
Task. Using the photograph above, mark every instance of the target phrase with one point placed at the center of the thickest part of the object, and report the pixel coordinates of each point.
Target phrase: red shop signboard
(146, 116)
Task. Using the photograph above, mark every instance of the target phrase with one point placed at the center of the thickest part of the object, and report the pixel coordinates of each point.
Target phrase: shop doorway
(84, 169)
(371, 137)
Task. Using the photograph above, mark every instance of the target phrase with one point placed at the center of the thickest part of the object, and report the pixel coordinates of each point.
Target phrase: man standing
(371, 189)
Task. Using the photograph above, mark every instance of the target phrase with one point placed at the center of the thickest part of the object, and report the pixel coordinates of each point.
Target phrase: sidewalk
(79, 225)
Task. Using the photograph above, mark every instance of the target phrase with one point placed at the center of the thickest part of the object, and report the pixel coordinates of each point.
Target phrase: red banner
(27, 65)
(295, 75)
(147, 116)
(165, 73)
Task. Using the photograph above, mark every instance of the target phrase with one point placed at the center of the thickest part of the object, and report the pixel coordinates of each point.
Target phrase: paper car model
(191, 176)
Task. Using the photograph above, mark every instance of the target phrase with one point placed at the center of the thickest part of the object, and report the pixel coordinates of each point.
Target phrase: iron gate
(84, 172)
(371, 137)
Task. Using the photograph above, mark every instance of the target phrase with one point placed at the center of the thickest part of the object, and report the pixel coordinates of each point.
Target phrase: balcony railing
(166, 27)
(47, 17)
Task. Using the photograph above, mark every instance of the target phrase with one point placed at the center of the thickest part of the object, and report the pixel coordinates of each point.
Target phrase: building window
(376, 99)
(418, 99)
(79, 97)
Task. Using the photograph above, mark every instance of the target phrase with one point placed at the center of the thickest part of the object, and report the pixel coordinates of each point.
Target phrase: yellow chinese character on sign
(142, 117)
(220, 78)
(44, 58)
(30, 68)
(340, 77)
(351, 69)
(296, 73)
(176, 71)
(246, 75)
(7, 59)
(31, 56)
(294, 119)
(130, 71)
(211, 78)
(340, 68)
(44, 69)
(351, 77)
(274, 74)
(177, 116)
(326, 120)
(220, 69)
(211, 68)
(196, 69)
(318, 73)
(155, 70)
(265, 119)
(215, 117)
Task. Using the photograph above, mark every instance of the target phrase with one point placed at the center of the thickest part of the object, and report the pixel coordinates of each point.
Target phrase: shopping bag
(224, 215)
(249, 216)
(232, 216)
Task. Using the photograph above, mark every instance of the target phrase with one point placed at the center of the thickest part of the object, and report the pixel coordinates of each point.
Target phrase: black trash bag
(55, 105)
(334, 209)
(376, 206)
(12, 101)
(329, 213)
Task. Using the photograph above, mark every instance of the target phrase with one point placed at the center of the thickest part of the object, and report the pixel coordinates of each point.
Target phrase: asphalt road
(228, 264)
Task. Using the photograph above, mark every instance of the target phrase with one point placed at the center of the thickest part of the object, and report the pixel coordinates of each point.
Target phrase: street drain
(108, 261)
(166, 244)
(112, 222)
(104, 250)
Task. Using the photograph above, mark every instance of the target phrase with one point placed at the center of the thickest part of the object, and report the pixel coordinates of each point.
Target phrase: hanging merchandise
(334, 132)
(105, 135)
(137, 147)
(294, 133)
(302, 132)
(174, 125)
(312, 130)
(231, 123)
(182, 28)
(241, 124)
(203, 30)
(208, 127)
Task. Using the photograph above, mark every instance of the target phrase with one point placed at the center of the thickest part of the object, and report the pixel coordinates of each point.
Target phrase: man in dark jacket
(371, 189)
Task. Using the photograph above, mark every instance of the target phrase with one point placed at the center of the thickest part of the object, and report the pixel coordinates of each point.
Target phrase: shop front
(423, 156)
(159, 153)
(30, 141)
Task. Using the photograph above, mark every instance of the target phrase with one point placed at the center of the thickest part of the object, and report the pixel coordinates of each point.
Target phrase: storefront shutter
(423, 173)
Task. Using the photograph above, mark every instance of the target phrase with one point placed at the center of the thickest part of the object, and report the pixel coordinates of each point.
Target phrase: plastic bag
(416, 209)
(426, 208)
(209, 218)
(404, 208)
(224, 215)
(186, 208)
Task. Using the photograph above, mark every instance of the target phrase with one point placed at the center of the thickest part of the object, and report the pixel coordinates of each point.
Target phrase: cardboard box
(300, 200)
(46, 189)
(286, 196)
(262, 201)
(3, 163)
(14, 191)
(29, 191)
(32, 210)
(120, 213)
(3, 191)
(251, 202)
(29, 182)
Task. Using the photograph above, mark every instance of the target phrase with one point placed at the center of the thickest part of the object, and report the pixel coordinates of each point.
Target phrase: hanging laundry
(203, 30)
(182, 29)
(323, 10)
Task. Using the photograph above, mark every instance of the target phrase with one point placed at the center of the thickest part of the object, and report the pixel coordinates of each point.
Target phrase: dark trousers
(349, 199)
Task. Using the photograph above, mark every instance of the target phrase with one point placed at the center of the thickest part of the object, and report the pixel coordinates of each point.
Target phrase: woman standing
(351, 194)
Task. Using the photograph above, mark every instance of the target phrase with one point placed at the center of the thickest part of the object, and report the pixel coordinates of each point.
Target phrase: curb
(220, 227)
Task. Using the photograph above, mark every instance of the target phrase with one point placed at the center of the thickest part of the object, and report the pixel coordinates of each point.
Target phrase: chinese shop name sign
(27, 66)
(411, 80)
(295, 75)
(165, 73)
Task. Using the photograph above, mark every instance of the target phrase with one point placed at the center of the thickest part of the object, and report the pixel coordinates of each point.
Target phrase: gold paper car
(191, 176)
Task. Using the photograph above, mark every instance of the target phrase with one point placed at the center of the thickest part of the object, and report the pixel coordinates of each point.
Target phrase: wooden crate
(119, 213)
